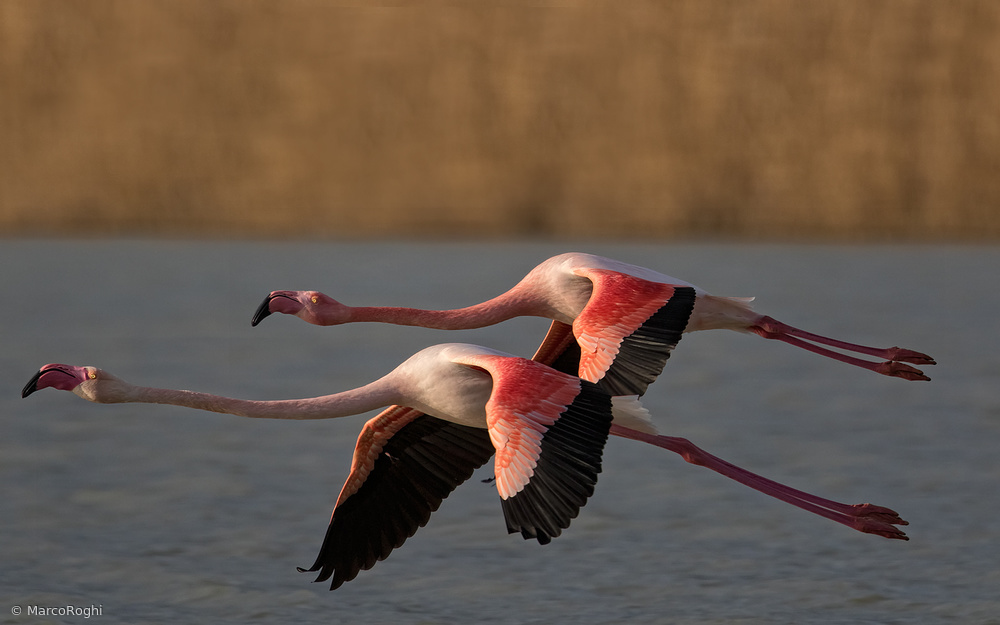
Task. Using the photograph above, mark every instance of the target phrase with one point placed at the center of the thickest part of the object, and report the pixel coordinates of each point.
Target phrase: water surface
(161, 514)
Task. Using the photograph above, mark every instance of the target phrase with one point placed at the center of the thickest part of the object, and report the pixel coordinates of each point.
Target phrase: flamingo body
(625, 318)
(547, 428)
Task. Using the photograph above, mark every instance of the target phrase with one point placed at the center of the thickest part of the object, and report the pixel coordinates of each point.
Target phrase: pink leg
(865, 517)
(770, 328)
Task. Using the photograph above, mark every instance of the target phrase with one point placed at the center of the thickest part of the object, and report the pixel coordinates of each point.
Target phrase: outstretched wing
(628, 329)
(404, 466)
(549, 430)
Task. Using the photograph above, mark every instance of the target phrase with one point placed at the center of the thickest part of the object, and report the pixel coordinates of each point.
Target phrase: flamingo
(625, 320)
(547, 428)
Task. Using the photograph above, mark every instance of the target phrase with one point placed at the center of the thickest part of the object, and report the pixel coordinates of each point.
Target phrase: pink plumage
(549, 429)
(610, 305)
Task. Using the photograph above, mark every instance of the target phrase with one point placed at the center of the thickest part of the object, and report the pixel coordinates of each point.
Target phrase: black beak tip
(31, 386)
(262, 311)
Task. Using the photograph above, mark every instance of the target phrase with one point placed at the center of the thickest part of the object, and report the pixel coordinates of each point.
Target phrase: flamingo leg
(893, 366)
(867, 518)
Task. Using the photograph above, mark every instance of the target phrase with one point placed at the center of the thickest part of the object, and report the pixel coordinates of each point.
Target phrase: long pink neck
(514, 303)
(352, 402)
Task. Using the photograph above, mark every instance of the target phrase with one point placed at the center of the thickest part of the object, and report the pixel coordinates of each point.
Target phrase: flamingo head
(91, 383)
(312, 306)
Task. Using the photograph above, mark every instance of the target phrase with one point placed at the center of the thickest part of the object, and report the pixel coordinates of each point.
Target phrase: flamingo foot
(897, 369)
(881, 513)
(878, 520)
(898, 354)
(879, 523)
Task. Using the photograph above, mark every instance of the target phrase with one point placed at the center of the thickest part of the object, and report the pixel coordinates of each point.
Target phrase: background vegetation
(770, 118)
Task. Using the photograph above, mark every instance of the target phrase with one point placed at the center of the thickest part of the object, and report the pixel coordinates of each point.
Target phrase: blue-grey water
(158, 514)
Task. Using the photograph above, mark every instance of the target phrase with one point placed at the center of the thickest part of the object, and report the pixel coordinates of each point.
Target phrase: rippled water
(161, 514)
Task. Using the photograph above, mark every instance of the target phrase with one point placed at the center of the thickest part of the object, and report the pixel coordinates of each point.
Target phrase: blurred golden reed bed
(778, 118)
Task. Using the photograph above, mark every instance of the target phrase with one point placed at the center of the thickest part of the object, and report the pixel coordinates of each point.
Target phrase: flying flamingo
(547, 428)
(625, 320)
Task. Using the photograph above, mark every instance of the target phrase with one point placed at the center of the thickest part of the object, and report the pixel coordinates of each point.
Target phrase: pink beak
(61, 377)
(278, 301)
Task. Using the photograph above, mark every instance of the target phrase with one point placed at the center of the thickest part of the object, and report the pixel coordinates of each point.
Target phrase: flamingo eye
(92, 375)
(315, 300)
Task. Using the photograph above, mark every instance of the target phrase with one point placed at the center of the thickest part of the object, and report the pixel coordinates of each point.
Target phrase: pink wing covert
(549, 430)
(526, 400)
(632, 325)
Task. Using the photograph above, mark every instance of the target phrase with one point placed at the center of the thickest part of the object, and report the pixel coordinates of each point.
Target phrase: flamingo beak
(61, 377)
(265, 307)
